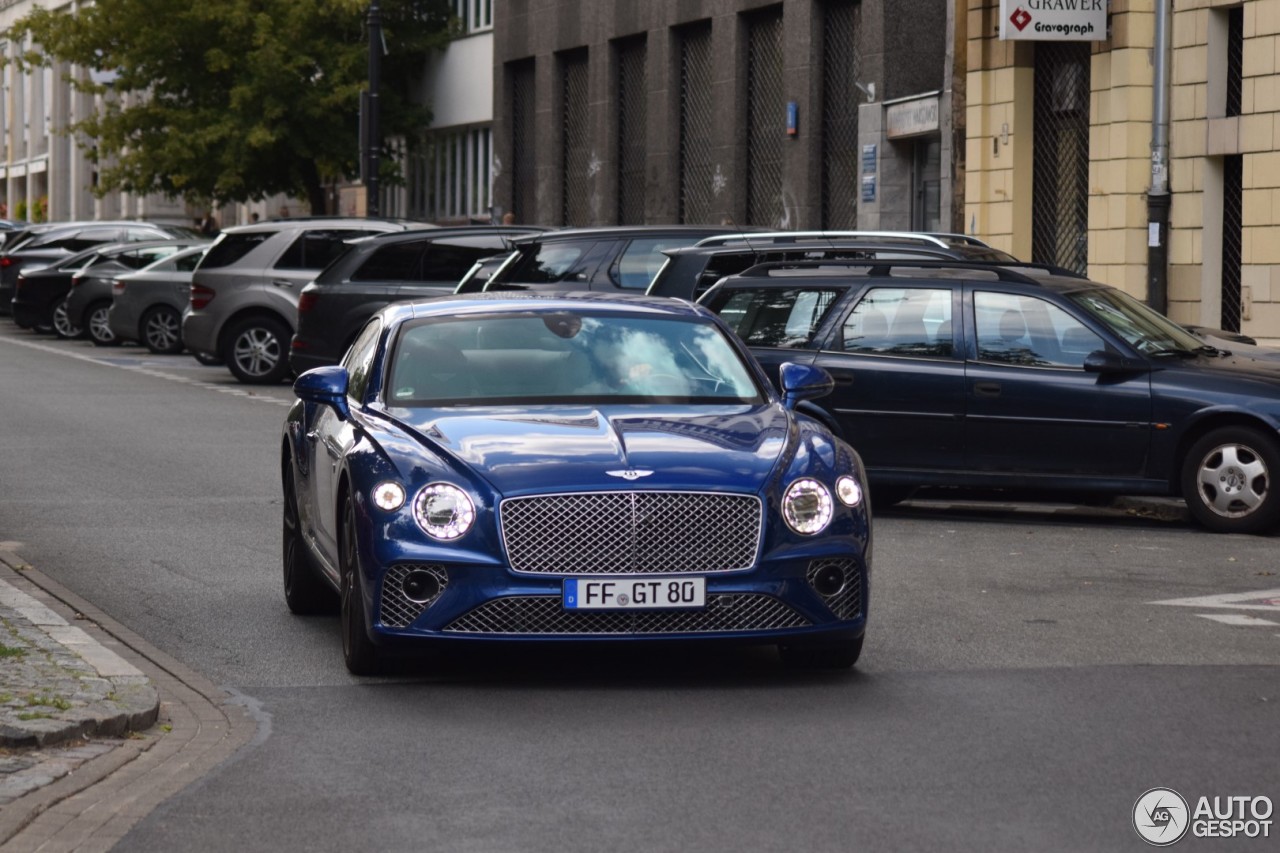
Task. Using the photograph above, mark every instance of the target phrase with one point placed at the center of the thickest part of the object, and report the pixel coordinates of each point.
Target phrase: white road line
(1261, 600)
(150, 371)
(1238, 619)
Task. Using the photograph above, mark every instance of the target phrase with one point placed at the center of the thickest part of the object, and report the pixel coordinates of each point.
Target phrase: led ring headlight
(848, 491)
(444, 511)
(806, 506)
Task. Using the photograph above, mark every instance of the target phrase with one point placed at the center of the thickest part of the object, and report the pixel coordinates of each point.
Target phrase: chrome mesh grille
(847, 603)
(543, 614)
(397, 610)
(631, 532)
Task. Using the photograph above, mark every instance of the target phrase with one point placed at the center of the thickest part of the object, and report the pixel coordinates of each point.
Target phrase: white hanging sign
(1053, 20)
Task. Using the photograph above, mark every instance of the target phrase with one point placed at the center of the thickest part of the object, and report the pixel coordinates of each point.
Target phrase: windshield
(1146, 330)
(566, 357)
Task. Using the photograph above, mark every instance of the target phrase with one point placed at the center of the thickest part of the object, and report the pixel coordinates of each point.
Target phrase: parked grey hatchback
(147, 305)
(243, 302)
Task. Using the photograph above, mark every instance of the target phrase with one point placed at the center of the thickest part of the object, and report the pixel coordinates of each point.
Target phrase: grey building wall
(901, 48)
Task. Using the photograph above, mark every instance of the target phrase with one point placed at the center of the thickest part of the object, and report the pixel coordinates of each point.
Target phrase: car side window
(907, 321)
(315, 249)
(1024, 330)
(187, 263)
(393, 262)
(782, 317)
(359, 359)
(641, 260)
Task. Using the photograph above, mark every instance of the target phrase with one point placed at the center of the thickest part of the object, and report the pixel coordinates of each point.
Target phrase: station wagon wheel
(1227, 477)
(99, 329)
(840, 656)
(358, 651)
(257, 350)
(62, 325)
(161, 330)
(304, 589)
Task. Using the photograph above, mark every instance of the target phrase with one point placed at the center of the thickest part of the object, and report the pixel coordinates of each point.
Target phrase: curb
(200, 726)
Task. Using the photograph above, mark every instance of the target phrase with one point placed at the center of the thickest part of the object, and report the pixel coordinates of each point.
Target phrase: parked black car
(984, 376)
(43, 246)
(618, 259)
(689, 271)
(386, 268)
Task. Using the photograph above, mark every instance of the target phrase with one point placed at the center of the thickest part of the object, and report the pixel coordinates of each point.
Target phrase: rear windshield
(775, 317)
(232, 247)
(545, 263)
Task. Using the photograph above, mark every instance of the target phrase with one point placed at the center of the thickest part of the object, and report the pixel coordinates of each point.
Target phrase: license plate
(614, 593)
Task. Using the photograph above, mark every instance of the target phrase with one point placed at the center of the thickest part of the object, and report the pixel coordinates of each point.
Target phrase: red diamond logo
(1020, 18)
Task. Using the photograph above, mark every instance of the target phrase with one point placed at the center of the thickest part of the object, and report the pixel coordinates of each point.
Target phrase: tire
(62, 325)
(96, 323)
(1228, 480)
(305, 591)
(160, 330)
(257, 351)
(208, 360)
(842, 656)
(358, 651)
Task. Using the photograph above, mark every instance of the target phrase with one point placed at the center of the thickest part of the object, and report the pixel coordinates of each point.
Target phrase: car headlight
(444, 511)
(806, 506)
(848, 491)
(388, 496)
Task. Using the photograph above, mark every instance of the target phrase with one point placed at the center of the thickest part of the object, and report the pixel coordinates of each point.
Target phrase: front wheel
(96, 321)
(358, 651)
(839, 656)
(257, 351)
(304, 590)
(1226, 480)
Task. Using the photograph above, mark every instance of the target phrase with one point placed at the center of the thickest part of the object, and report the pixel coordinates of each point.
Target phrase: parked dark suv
(616, 259)
(989, 376)
(244, 293)
(382, 269)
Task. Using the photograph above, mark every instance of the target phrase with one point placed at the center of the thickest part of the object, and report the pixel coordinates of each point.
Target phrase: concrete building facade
(799, 114)
(1059, 154)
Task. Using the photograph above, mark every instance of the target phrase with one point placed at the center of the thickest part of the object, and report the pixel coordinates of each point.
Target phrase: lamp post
(373, 139)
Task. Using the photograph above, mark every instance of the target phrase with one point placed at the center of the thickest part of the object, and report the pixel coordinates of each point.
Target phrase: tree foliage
(232, 100)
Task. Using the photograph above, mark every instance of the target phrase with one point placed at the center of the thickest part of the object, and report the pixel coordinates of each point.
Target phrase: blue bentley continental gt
(526, 467)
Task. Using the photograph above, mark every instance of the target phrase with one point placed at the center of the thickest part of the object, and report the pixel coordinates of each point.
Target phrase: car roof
(627, 231)
(939, 239)
(847, 273)
(272, 226)
(540, 302)
(445, 232)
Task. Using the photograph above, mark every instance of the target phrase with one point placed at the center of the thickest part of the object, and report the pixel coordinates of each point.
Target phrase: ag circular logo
(1161, 817)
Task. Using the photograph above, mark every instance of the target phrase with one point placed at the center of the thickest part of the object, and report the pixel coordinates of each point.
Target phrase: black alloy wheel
(95, 320)
(160, 330)
(1227, 480)
(257, 351)
(358, 651)
(305, 591)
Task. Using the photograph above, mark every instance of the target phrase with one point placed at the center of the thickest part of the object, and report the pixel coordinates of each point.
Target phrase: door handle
(987, 389)
(313, 435)
(843, 378)
(281, 282)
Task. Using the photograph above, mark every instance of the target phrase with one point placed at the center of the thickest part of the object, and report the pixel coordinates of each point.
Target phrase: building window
(1060, 175)
(695, 124)
(575, 140)
(1235, 59)
(764, 107)
(1232, 240)
(451, 180)
(475, 15)
(632, 128)
(840, 100)
(524, 174)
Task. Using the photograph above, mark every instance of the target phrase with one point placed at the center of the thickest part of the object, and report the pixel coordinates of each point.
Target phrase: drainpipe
(1158, 199)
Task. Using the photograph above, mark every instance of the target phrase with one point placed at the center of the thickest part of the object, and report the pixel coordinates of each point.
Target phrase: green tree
(232, 100)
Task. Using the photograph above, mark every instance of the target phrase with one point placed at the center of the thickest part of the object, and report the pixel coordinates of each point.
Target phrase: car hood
(519, 451)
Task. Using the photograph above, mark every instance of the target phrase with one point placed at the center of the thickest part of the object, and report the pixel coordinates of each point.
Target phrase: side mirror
(1104, 362)
(803, 382)
(326, 386)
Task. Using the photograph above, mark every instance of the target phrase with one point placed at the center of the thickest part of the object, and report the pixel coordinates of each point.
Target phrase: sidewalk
(59, 686)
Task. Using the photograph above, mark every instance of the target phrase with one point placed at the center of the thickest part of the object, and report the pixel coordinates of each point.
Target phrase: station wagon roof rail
(943, 240)
(882, 268)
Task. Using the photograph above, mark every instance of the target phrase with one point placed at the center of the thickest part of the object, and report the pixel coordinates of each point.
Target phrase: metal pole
(373, 203)
(1158, 198)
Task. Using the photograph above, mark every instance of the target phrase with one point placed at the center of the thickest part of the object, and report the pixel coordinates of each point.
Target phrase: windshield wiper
(1178, 351)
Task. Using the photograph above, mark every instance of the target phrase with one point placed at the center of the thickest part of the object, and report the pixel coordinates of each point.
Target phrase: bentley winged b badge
(629, 473)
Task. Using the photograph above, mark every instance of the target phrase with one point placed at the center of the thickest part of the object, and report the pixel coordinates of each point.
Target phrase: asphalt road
(1018, 691)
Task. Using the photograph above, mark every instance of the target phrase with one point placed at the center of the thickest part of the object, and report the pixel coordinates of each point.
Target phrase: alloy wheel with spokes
(99, 327)
(62, 325)
(162, 330)
(256, 350)
(1227, 480)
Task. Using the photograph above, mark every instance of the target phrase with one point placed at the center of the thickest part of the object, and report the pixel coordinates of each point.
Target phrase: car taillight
(306, 302)
(201, 296)
(117, 287)
(76, 280)
(6, 261)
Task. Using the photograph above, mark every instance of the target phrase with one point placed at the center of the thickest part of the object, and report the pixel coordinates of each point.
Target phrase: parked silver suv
(244, 294)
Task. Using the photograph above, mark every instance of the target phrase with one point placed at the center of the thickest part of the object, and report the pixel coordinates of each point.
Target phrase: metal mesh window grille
(840, 100)
(631, 131)
(524, 179)
(764, 118)
(1232, 239)
(1235, 59)
(695, 124)
(575, 152)
(452, 176)
(1060, 191)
